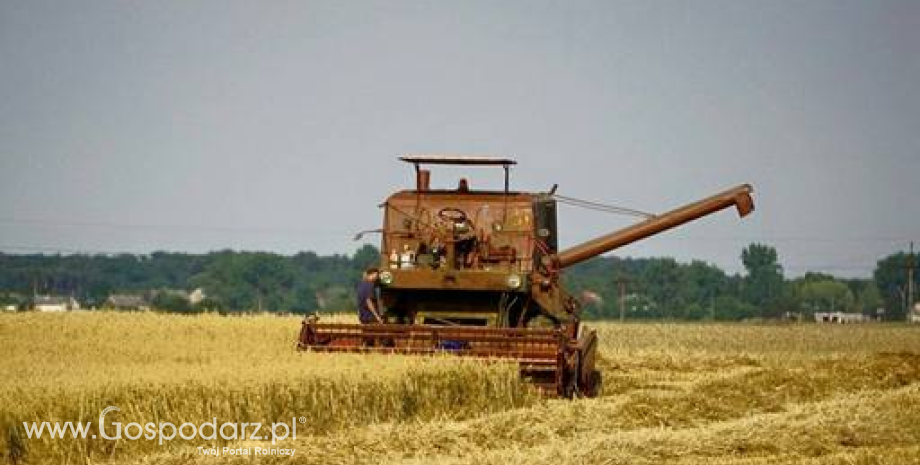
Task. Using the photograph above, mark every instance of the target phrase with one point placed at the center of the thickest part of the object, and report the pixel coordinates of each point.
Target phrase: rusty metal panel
(472, 280)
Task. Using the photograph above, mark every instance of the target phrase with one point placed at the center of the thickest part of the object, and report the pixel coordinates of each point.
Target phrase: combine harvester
(478, 273)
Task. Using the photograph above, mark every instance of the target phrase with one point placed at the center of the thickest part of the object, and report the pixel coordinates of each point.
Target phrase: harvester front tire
(595, 383)
(570, 387)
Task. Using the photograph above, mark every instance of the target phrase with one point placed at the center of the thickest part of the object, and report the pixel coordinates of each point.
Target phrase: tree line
(663, 288)
(232, 281)
(643, 288)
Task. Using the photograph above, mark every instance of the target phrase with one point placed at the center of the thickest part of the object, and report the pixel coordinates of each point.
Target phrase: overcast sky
(196, 126)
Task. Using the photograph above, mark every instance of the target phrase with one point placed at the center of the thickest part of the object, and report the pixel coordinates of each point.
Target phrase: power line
(597, 206)
(295, 230)
(63, 250)
(186, 227)
(91, 251)
(829, 268)
(780, 238)
(910, 281)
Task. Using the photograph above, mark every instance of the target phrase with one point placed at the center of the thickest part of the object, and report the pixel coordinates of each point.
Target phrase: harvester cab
(462, 256)
(477, 273)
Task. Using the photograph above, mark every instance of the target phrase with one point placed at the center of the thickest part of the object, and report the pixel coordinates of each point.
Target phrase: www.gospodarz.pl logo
(166, 431)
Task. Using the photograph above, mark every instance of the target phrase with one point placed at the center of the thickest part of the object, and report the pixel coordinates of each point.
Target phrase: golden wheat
(160, 368)
(715, 394)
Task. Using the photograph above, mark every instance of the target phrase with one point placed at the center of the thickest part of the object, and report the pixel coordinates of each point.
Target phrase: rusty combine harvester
(478, 273)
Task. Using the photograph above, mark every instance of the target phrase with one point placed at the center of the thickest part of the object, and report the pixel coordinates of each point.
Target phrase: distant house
(841, 317)
(197, 296)
(915, 315)
(127, 302)
(51, 303)
(334, 297)
(591, 298)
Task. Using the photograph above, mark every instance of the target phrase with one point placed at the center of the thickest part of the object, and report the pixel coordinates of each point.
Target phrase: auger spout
(739, 197)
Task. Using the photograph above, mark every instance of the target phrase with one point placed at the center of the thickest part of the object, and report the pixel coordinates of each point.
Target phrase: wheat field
(673, 393)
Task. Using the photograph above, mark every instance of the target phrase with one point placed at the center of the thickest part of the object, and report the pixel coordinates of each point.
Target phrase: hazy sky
(196, 126)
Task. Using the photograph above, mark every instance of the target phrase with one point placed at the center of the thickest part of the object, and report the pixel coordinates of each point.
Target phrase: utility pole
(621, 284)
(910, 283)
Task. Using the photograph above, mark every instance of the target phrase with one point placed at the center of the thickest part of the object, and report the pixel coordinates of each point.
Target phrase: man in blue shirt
(368, 309)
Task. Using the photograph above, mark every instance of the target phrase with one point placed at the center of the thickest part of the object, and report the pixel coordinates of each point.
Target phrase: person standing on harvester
(368, 309)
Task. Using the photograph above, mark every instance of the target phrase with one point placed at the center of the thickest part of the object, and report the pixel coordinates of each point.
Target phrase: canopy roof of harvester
(456, 160)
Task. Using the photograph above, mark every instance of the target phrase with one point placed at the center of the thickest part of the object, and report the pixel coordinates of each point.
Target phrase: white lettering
(224, 435)
(253, 436)
(190, 436)
(213, 426)
(140, 431)
(151, 431)
(278, 437)
(102, 423)
(168, 438)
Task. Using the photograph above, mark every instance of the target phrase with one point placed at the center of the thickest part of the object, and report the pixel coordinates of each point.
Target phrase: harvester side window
(545, 222)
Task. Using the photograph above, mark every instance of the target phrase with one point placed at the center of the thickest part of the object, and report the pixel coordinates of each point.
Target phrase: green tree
(869, 299)
(304, 298)
(763, 285)
(172, 302)
(660, 280)
(249, 281)
(366, 256)
(731, 308)
(891, 279)
(700, 285)
(823, 295)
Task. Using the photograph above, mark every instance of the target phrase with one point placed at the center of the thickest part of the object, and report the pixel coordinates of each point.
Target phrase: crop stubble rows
(674, 393)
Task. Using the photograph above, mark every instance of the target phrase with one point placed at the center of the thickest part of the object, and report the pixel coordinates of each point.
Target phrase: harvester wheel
(595, 383)
(570, 387)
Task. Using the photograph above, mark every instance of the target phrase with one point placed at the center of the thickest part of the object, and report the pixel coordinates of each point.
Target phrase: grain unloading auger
(477, 273)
